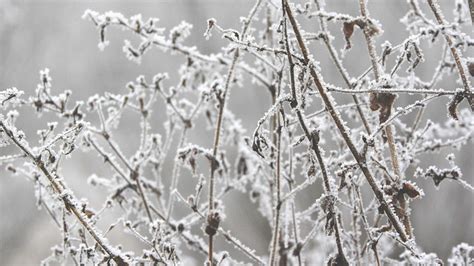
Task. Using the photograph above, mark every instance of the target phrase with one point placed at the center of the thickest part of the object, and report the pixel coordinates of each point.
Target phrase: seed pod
(213, 220)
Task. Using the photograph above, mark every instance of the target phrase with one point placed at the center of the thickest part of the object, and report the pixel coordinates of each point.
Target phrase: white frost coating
(162, 118)
(102, 45)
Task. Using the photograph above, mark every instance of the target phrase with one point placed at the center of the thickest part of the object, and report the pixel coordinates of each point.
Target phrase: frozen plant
(356, 142)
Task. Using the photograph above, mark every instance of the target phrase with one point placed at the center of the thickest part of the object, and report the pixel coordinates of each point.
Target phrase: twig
(69, 200)
(342, 129)
(454, 52)
(222, 101)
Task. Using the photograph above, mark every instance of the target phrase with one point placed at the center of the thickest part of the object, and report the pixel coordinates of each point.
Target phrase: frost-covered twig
(63, 192)
(342, 129)
(454, 52)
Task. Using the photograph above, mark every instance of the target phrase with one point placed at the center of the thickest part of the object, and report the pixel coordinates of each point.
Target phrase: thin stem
(276, 129)
(313, 138)
(278, 203)
(394, 90)
(342, 129)
(454, 52)
(340, 67)
(134, 174)
(222, 101)
(175, 175)
(196, 244)
(378, 71)
(68, 198)
(471, 10)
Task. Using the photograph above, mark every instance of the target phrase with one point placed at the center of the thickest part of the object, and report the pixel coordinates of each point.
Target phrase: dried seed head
(213, 221)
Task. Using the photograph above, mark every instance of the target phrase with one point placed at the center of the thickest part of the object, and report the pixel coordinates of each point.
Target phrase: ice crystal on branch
(323, 158)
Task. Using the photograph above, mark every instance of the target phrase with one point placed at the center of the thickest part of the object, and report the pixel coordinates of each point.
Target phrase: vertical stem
(393, 151)
(355, 222)
(222, 101)
(388, 129)
(293, 204)
(471, 10)
(175, 175)
(276, 129)
(277, 204)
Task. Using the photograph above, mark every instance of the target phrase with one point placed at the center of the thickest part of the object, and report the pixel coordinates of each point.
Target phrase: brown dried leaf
(374, 106)
(411, 190)
(385, 101)
(348, 30)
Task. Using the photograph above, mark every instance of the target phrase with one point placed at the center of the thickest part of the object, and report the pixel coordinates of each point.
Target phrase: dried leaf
(348, 30)
(411, 190)
(384, 102)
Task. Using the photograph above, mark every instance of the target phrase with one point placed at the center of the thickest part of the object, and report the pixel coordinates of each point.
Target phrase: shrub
(363, 149)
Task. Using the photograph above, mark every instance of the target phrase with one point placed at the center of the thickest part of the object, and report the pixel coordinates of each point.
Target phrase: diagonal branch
(343, 130)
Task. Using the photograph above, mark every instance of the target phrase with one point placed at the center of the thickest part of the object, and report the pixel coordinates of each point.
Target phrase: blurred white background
(39, 34)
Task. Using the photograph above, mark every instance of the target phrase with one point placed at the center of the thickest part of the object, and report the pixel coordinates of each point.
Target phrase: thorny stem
(220, 116)
(342, 129)
(454, 52)
(67, 198)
